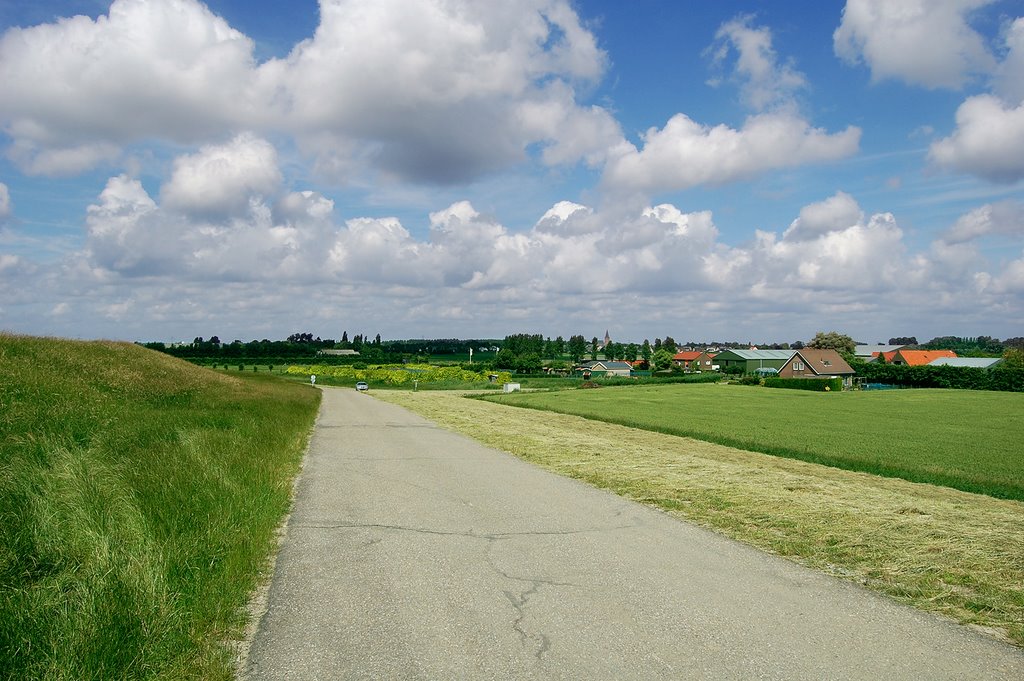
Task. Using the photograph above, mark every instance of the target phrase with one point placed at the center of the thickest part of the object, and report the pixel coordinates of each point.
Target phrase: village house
(705, 361)
(811, 363)
(915, 358)
(684, 358)
(602, 367)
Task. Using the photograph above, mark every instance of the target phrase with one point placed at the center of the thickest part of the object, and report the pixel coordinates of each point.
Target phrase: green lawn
(139, 498)
(968, 440)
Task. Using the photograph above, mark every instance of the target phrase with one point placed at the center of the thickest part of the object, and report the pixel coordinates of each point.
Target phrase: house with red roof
(683, 359)
(695, 360)
(915, 358)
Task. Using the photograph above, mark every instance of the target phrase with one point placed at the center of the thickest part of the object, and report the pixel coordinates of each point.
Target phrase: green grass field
(139, 499)
(968, 440)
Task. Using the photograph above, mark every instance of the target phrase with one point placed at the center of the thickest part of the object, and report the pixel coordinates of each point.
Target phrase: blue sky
(733, 170)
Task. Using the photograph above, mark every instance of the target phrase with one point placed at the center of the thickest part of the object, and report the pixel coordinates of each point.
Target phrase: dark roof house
(811, 363)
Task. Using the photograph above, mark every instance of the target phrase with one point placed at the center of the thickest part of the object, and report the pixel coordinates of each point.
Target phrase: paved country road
(416, 553)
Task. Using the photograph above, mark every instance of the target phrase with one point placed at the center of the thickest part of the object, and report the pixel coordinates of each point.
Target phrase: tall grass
(139, 496)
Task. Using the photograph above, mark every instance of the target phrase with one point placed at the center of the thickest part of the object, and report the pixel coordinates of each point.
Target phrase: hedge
(816, 384)
(1007, 379)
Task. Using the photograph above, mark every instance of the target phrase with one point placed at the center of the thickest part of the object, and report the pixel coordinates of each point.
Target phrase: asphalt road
(415, 553)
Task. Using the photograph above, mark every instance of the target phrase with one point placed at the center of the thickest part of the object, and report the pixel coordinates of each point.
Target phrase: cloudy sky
(733, 170)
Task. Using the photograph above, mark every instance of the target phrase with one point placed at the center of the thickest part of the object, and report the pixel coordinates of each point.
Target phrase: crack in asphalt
(519, 602)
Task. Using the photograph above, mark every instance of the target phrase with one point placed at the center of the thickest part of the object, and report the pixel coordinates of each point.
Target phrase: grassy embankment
(139, 498)
(936, 548)
(968, 440)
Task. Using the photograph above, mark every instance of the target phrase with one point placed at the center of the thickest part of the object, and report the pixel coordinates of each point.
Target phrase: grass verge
(938, 549)
(139, 498)
(965, 439)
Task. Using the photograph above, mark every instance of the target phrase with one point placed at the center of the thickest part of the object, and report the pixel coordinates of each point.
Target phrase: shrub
(1006, 379)
(814, 384)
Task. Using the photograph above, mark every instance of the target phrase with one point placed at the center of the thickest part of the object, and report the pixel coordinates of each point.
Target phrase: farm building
(869, 353)
(811, 363)
(970, 362)
(749, 361)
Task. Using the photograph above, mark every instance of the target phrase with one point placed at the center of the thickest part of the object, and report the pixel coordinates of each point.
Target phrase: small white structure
(510, 387)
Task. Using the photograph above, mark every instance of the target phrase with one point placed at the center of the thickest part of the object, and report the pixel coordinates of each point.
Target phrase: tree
(505, 359)
(558, 347)
(669, 344)
(1013, 358)
(593, 348)
(903, 340)
(662, 360)
(577, 348)
(645, 351)
(631, 352)
(833, 340)
(528, 363)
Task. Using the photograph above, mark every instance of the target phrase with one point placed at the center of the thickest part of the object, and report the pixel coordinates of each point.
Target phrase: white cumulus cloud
(1004, 217)
(831, 215)
(764, 81)
(437, 91)
(220, 180)
(921, 42)
(442, 91)
(988, 140)
(5, 202)
(170, 69)
(685, 153)
(576, 265)
(1009, 77)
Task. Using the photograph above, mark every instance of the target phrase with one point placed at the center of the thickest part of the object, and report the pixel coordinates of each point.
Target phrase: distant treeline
(304, 346)
(968, 346)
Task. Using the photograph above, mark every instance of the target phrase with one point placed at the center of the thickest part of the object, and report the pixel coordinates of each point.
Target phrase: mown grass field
(139, 498)
(936, 548)
(968, 440)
